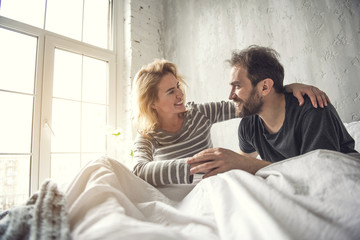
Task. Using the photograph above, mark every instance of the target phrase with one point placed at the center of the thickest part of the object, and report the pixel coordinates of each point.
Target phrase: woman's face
(170, 97)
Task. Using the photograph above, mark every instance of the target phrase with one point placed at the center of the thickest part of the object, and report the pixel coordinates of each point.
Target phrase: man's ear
(266, 86)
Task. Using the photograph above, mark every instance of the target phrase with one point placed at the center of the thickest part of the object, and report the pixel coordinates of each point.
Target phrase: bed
(312, 196)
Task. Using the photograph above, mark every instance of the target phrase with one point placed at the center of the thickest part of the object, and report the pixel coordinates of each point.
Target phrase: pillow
(354, 130)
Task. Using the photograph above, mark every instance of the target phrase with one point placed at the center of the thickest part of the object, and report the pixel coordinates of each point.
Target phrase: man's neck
(273, 112)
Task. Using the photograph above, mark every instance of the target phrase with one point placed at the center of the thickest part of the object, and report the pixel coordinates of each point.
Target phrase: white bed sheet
(313, 196)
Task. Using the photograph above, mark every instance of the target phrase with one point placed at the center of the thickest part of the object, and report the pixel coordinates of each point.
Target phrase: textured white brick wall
(143, 42)
(146, 21)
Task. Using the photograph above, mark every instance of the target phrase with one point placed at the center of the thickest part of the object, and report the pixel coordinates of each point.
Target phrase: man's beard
(251, 106)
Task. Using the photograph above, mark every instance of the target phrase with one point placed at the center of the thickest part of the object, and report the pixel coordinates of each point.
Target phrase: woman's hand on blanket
(218, 160)
(316, 96)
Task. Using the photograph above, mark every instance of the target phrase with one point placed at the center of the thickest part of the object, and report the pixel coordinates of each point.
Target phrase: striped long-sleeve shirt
(162, 159)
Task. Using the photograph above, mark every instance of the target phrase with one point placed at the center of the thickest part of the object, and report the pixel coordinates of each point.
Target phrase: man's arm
(218, 160)
(323, 129)
(253, 154)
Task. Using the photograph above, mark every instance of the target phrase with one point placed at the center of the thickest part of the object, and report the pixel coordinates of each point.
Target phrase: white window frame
(52, 43)
(47, 42)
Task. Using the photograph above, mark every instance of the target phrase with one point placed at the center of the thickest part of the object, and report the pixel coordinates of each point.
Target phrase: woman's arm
(160, 172)
(316, 96)
(217, 111)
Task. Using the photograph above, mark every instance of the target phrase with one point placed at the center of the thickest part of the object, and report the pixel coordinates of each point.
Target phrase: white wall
(139, 30)
(142, 33)
(318, 40)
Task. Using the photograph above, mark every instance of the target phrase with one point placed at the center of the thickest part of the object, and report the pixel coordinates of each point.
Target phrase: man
(274, 126)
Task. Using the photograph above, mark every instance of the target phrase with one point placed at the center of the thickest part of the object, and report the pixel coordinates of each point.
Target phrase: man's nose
(232, 95)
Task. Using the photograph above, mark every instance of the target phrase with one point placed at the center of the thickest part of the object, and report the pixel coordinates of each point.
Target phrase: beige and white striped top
(162, 159)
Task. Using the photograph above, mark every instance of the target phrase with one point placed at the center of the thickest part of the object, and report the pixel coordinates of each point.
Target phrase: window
(80, 109)
(17, 88)
(57, 91)
(84, 20)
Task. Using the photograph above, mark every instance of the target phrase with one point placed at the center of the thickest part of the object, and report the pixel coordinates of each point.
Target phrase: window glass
(64, 17)
(64, 167)
(79, 110)
(71, 97)
(26, 11)
(93, 128)
(95, 81)
(66, 126)
(17, 61)
(84, 20)
(67, 75)
(14, 180)
(96, 22)
(15, 122)
(87, 157)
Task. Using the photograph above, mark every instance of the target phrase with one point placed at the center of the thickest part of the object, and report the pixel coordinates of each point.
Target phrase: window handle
(47, 125)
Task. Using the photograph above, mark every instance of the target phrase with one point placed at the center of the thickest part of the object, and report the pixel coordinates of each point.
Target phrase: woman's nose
(179, 93)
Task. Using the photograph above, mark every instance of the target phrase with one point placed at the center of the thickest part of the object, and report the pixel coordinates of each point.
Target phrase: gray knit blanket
(43, 216)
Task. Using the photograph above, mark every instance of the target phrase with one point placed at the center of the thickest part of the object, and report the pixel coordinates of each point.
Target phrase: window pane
(29, 12)
(90, 23)
(67, 75)
(66, 126)
(87, 157)
(96, 22)
(64, 167)
(93, 136)
(15, 122)
(95, 81)
(14, 180)
(17, 61)
(64, 17)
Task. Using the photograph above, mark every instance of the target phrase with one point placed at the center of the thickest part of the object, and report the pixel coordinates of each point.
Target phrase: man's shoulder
(249, 124)
(302, 114)
(308, 106)
(294, 102)
(292, 105)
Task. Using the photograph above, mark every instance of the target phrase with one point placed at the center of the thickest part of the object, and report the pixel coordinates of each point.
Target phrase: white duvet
(313, 196)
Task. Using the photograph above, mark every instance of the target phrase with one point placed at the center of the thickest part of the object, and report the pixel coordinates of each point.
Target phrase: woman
(169, 131)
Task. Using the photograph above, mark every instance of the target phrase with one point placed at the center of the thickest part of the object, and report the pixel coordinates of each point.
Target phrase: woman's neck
(173, 123)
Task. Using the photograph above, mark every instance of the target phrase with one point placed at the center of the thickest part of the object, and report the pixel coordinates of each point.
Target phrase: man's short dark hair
(260, 63)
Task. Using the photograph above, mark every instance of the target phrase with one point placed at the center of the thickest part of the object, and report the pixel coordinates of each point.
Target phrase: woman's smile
(181, 103)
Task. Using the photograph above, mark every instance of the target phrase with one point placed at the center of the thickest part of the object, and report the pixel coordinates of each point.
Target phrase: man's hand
(316, 96)
(218, 160)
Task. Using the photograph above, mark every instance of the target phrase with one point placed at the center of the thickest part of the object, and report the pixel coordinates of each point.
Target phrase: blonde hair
(146, 92)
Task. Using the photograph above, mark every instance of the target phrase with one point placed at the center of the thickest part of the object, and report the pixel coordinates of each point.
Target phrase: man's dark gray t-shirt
(305, 129)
